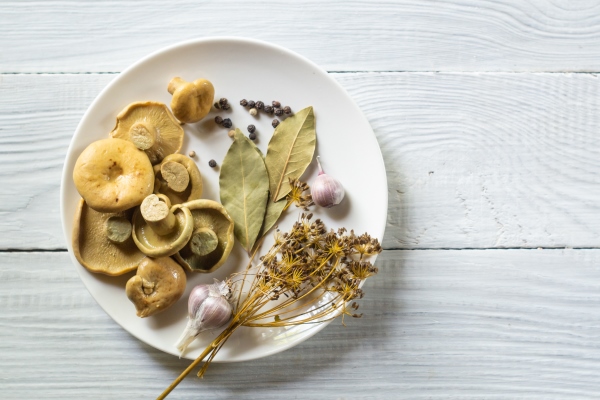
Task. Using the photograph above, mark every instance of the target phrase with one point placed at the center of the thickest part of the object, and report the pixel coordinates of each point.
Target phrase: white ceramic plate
(250, 69)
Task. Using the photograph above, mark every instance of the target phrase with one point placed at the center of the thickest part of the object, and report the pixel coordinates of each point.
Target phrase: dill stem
(214, 344)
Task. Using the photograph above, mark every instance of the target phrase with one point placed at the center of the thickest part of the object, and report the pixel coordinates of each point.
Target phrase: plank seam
(594, 73)
(385, 249)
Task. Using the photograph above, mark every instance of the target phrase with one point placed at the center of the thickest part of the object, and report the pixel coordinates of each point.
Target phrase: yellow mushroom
(191, 100)
(160, 230)
(157, 285)
(212, 239)
(171, 177)
(112, 175)
(151, 127)
(102, 241)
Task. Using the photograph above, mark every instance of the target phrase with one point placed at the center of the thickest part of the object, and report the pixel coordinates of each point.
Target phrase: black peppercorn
(251, 104)
(224, 103)
(251, 128)
(212, 163)
(252, 136)
(276, 104)
(218, 120)
(260, 105)
(269, 109)
(278, 112)
(275, 123)
(243, 102)
(287, 110)
(227, 123)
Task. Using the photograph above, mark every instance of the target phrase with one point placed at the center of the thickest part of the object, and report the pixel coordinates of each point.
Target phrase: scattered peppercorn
(275, 123)
(224, 103)
(252, 136)
(243, 102)
(251, 104)
(251, 128)
(260, 105)
(217, 106)
(253, 111)
(278, 112)
(212, 163)
(287, 110)
(276, 104)
(218, 120)
(227, 123)
(192, 153)
(231, 133)
(269, 109)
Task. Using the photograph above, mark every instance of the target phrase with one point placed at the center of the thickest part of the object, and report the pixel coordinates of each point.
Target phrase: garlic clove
(326, 191)
(208, 308)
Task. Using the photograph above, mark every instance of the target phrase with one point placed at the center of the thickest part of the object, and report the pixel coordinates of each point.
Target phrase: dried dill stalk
(310, 275)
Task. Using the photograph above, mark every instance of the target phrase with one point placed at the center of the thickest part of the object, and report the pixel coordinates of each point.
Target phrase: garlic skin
(208, 308)
(326, 191)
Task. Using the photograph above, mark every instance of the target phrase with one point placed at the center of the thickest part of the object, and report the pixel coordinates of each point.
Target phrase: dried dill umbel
(300, 194)
(309, 275)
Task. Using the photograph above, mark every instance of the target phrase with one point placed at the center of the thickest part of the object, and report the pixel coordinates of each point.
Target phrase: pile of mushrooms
(141, 207)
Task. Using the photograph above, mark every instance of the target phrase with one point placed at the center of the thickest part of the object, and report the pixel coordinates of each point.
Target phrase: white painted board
(473, 160)
(437, 324)
(341, 35)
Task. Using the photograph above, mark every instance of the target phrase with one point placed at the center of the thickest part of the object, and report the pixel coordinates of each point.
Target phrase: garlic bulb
(208, 308)
(326, 191)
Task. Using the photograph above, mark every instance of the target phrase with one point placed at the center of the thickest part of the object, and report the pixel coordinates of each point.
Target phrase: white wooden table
(488, 117)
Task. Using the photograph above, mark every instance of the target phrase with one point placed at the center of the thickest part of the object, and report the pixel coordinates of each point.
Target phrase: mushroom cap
(208, 214)
(157, 285)
(194, 189)
(191, 100)
(168, 133)
(113, 175)
(155, 245)
(95, 251)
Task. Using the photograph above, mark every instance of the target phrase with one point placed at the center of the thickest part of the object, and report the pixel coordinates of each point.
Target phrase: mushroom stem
(174, 84)
(143, 135)
(156, 212)
(204, 241)
(176, 175)
(118, 229)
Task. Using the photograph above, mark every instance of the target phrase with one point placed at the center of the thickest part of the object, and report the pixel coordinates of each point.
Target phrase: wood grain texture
(473, 160)
(437, 324)
(403, 35)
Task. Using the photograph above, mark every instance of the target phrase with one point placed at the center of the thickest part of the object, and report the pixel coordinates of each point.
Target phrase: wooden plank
(436, 324)
(473, 160)
(404, 35)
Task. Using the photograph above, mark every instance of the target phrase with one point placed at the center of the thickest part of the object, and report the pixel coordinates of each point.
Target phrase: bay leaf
(274, 211)
(244, 188)
(290, 151)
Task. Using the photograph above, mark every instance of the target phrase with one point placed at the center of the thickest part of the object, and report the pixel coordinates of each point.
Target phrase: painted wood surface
(341, 35)
(478, 160)
(466, 324)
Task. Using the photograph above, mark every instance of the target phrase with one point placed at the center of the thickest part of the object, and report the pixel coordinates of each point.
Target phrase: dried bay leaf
(244, 188)
(290, 151)
(274, 211)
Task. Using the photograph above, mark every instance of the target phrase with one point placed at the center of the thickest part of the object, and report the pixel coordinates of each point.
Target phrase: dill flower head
(309, 265)
(300, 194)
